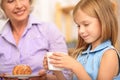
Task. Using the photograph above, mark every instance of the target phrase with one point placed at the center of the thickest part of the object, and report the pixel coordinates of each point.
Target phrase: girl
(96, 54)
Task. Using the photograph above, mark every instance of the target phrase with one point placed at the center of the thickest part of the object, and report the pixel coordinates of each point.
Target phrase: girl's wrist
(75, 67)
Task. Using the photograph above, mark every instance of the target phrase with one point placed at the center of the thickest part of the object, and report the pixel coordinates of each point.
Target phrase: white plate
(21, 76)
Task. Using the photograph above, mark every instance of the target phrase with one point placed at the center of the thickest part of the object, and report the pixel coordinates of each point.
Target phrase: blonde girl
(97, 57)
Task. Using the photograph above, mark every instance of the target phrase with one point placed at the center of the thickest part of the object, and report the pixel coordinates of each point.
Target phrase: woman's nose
(18, 4)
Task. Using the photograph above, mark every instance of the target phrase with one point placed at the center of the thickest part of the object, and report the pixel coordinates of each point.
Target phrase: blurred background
(60, 12)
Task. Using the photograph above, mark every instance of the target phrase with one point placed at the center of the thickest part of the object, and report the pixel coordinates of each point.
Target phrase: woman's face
(16, 10)
(89, 28)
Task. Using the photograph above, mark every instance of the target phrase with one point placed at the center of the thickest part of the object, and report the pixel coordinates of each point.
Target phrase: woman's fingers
(43, 74)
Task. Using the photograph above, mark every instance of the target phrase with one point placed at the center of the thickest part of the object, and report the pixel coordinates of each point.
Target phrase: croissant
(22, 70)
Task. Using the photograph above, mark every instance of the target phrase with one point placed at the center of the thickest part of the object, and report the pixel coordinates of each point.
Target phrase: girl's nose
(81, 30)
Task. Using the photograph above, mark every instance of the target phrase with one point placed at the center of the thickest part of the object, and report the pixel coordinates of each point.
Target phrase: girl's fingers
(59, 54)
(45, 62)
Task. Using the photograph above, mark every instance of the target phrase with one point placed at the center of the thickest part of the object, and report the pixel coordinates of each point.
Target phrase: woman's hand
(42, 75)
(6, 78)
(2, 75)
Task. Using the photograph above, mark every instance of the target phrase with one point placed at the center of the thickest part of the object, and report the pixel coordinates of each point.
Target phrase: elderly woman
(25, 40)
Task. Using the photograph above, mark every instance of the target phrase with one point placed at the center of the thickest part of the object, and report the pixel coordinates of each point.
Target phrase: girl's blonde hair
(2, 14)
(103, 10)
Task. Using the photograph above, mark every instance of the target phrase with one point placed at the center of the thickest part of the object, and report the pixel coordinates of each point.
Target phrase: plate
(21, 76)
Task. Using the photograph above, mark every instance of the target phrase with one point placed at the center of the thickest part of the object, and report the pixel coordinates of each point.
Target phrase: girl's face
(89, 28)
(16, 10)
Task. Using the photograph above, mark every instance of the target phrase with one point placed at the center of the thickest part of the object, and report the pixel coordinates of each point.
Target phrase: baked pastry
(21, 70)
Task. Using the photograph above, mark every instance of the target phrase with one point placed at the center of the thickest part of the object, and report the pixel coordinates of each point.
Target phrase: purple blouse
(37, 39)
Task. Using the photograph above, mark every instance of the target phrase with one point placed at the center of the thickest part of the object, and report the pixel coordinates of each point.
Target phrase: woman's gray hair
(2, 14)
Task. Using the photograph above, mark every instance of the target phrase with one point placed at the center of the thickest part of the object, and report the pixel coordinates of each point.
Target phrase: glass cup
(50, 66)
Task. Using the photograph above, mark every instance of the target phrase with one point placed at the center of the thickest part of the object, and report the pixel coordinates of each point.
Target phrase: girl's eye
(86, 25)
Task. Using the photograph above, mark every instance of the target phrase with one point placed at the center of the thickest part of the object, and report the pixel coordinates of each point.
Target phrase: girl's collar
(99, 47)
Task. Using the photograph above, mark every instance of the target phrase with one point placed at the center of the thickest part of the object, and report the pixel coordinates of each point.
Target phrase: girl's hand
(45, 62)
(62, 61)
